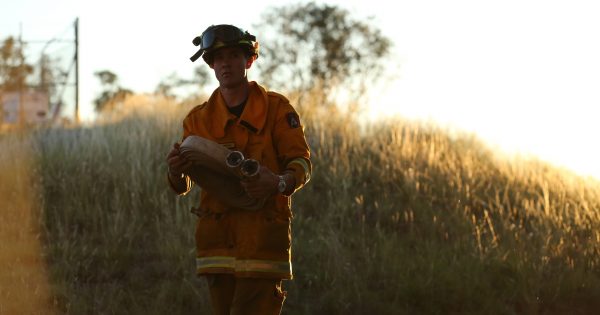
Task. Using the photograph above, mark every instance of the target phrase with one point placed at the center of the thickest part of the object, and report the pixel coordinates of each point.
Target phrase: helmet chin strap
(249, 62)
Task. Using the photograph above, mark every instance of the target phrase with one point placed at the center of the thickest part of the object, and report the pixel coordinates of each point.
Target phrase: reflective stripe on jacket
(242, 265)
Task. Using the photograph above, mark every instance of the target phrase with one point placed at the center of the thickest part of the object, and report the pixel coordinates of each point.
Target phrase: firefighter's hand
(177, 163)
(263, 186)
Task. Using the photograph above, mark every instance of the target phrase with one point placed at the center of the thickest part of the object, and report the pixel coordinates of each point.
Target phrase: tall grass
(410, 219)
(119, 242)
(399, 218)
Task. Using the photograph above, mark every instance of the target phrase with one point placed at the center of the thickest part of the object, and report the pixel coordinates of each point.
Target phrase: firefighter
(244, 254)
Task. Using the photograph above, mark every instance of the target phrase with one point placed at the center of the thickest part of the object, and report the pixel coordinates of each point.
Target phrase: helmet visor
(227, 34)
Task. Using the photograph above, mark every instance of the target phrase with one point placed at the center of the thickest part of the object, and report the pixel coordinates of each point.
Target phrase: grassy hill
(399, 218)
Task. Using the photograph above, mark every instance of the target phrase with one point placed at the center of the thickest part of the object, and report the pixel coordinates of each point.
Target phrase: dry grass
(24, 285)
(400, 218)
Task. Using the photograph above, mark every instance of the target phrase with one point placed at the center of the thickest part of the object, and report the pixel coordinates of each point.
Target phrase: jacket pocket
(212, 231)
(275, 235)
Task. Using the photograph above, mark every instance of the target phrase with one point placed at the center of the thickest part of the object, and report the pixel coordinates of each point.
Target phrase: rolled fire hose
(219, 170)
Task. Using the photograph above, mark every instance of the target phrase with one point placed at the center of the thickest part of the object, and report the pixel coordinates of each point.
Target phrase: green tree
(13, 69)
(50, 76)
(47, 74)
(308, 45)
(201, 78)
(112, 95)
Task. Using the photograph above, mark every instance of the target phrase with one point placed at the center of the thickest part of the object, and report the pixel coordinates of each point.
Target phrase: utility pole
(77, 70)
(21, 79)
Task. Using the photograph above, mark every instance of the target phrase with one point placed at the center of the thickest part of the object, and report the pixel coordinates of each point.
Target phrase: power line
(57, 58)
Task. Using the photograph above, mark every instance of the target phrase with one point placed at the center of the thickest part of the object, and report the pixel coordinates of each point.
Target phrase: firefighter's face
(230, 64)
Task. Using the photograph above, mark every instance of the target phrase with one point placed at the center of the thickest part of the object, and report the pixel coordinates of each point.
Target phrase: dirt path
(24, 287)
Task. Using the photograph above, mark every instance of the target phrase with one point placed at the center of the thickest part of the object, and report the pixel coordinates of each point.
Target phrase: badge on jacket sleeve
(293, 120)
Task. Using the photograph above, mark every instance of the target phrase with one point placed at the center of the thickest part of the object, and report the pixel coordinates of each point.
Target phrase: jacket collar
(253, 118)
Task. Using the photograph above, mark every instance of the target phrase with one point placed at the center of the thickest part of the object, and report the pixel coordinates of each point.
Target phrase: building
(35, 107)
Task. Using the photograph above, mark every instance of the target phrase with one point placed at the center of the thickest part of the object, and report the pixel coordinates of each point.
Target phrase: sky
(523, 75)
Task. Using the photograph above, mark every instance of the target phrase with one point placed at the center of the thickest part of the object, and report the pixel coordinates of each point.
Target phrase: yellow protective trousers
(244, 296)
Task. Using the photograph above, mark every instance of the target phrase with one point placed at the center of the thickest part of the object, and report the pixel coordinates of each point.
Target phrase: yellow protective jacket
(242, 242)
